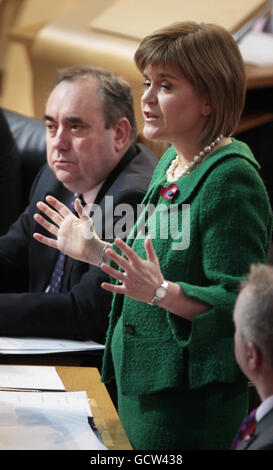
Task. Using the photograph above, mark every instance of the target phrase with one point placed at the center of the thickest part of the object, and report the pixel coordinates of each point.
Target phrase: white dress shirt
(264, 408)
(90, 196)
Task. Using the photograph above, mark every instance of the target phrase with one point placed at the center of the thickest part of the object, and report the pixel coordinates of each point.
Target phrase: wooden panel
(71, 40)
(137, 19)
(252, 119)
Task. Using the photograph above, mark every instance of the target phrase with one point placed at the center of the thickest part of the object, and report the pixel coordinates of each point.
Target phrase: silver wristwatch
(160, 293)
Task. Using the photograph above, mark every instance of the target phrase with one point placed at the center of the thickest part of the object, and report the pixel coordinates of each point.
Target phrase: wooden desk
(259, 76)
(105, 415)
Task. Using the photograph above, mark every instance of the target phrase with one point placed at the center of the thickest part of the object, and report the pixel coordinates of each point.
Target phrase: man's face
(80, 151)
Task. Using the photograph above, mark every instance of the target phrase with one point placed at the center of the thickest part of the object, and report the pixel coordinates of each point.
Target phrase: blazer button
(130, 329)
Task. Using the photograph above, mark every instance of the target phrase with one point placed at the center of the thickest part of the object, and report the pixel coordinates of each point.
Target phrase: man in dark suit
(91, 150)
(253, 316)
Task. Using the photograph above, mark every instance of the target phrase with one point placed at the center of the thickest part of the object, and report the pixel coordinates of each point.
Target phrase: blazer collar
(188, 184)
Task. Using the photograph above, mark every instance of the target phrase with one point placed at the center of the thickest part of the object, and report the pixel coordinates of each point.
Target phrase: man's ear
(253, 356)
(122, 130)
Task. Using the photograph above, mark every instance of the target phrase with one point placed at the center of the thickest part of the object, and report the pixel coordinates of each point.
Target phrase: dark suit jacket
(263, 435)
(81, 310)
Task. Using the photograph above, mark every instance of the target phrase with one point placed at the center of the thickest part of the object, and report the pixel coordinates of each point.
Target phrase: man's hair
(255, 323)
(209, 58)
(116, 94)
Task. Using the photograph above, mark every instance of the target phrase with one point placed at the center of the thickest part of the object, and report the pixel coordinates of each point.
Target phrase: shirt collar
(264, 408)
(90, 196)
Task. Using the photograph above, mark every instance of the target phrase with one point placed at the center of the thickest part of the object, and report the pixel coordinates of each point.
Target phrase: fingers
(127, 250)
(132, 256)
(113, 288)
(119, 260)
(82, 212)
(150, 252)
(118, 275)
(141, 275)
(50, 213)
(56, 215)
(46, 241)
(51, 228)
(61, 208)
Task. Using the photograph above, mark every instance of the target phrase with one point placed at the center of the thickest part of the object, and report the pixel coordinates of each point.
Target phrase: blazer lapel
(129, 155)
(191, 182)
(262, 433)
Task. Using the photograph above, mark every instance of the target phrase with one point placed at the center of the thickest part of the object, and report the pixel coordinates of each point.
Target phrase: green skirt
(181, 419)
(201, 419)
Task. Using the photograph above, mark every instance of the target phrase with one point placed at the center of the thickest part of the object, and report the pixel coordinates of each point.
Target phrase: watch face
(160, 292)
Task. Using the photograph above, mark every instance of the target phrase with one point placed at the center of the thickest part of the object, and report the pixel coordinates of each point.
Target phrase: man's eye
(76, 128)
(50, 127)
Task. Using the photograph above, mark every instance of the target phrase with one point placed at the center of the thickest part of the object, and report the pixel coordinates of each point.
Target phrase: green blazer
(223, 224)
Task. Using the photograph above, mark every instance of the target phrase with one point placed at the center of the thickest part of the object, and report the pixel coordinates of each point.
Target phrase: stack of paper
(30, 378)
(46, 421)
(44, 345)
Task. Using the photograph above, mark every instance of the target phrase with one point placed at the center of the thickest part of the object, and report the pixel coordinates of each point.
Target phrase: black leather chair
(22, 154)
(29, 136)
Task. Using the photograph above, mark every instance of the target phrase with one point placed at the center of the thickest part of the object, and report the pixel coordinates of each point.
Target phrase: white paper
(10, 345)
(46, 421)
(30, 377)
(257, 48)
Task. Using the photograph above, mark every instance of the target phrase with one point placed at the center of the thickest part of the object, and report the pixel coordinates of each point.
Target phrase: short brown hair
(208, 56)
(115, 92)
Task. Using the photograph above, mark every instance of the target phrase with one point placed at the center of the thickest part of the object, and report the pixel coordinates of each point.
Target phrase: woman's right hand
(75, 236)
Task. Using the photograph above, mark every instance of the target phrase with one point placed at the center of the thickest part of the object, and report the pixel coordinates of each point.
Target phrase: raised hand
(75, 236)
(139, 278)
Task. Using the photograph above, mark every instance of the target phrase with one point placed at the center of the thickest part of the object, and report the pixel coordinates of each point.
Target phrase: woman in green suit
(170, 339)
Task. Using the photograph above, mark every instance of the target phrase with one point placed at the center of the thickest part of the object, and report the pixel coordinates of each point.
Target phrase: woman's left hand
(139, 277)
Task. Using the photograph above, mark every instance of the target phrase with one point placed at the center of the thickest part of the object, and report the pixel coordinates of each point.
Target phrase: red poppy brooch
(169, 192)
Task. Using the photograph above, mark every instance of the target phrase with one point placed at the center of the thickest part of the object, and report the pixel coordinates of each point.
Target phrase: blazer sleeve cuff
(208, 325)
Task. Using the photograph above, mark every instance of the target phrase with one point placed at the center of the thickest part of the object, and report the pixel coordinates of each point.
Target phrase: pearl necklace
(187, 168)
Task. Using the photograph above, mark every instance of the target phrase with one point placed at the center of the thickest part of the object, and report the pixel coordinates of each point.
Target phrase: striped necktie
(246, 430)
(58, 272)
